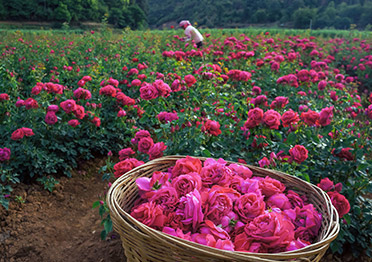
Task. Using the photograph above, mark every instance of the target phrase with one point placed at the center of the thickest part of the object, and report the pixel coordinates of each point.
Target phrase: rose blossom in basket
(224, 206)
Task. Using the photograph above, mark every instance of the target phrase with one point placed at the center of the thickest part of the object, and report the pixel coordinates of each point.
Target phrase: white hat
(184, 22)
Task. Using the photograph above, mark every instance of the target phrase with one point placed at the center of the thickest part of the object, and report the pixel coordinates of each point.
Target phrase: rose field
(299, 102)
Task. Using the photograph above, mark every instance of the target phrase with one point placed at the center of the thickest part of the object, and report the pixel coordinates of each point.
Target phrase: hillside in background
(239, 13)
(141, 14)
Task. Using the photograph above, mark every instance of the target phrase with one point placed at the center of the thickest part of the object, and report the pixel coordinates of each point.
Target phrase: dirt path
(58, 226)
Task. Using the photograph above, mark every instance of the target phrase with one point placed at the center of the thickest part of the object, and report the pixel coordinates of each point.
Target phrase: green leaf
(103, 234)
(108, 225)
(96, 204)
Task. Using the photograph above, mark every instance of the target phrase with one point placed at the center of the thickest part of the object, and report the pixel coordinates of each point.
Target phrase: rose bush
(296, 102)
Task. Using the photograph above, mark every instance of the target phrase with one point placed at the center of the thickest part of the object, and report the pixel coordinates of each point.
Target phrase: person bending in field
(191, 33)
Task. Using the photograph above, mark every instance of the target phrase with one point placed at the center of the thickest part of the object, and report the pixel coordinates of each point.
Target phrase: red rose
(74, 122)
(4, 96)
(27, 131)
(31, 103)
(272, 119)
(190, 80)
(325, 116)
(126, 165)
(345, 154)
(125, 153)
(145, 144)
(289, 117)
(187, 165)
(216, 174)
(340, 203)
(272, 230)
(124, 100)
(298, 153)
(254, 117)
(310, 117)
(79, 112)
(270, 186)
(212, 127)
(185, 184)
(325, 184)
(249, 206)
(96, 121)
(149, 214)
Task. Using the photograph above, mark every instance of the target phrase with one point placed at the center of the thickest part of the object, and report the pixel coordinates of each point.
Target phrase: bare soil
(62, 226)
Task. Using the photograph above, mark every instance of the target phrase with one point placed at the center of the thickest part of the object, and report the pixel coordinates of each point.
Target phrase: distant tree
(61, 13)
(259, 16)
(302, 17)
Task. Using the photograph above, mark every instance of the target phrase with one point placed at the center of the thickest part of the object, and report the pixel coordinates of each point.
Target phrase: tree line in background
(338, 14)
(120, 13)
(140, 14)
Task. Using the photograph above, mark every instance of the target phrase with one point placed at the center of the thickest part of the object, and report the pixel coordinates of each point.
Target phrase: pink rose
(74, 122)
(149, 214)
(163, 89)
(249, 206)
(298, 153)
(295, 199)
(166, 197)
(148, 92)
(216, 174)
(325, 116)
(51, 118)
(186, 165)
(141, 134)
(340, 203)
(241, 171)
(218, 202)
(177, 233)
(278, 201)
(157, 180)
(270, 186)
(297, 244)
(307, 221)
(272, 119)
(68, 106)
(271, 229)
(157, 150)
(79, 112)
(191, 209)
(53, 108)
(185, 184)
(4, 154)
(217, 232)
(145, 144)
(211, 127)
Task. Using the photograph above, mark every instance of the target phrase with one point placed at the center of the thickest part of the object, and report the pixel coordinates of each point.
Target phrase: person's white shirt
(193, 34)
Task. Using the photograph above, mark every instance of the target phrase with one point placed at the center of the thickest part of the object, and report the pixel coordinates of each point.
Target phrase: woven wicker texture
(142, 243)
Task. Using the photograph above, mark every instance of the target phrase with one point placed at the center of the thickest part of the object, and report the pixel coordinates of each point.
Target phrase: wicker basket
(142, 243)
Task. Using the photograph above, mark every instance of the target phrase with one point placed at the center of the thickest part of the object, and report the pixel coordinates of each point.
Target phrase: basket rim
(312, 249)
